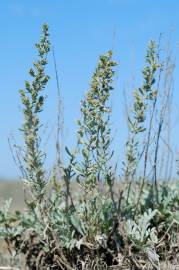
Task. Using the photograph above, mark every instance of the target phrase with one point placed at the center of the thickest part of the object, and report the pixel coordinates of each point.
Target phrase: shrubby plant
(95, 228)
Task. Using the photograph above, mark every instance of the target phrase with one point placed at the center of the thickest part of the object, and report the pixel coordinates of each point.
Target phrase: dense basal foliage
(87, 219)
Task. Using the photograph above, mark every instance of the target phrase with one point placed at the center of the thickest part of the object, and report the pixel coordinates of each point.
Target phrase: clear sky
(80, 31)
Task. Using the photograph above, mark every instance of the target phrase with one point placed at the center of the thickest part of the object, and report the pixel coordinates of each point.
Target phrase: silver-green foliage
(33, 102)
(142, 98)
(140, 232)
(94, 128)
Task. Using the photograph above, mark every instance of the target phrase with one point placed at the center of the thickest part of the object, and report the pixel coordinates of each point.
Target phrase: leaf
(76, 224)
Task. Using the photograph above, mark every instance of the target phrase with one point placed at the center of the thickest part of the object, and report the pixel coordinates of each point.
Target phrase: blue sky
(80, 31)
